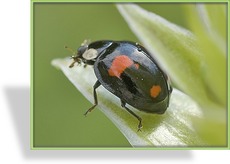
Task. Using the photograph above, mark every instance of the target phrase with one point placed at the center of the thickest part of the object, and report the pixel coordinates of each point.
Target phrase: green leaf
(196, 63)
(175, 49)
(208, 22)
(174, 128)
(190, 60)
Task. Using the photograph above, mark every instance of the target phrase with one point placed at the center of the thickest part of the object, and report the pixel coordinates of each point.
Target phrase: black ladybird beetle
(128, 71)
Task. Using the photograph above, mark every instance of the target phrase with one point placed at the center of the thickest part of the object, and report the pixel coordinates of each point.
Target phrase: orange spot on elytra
(155, 91)
(119, 64)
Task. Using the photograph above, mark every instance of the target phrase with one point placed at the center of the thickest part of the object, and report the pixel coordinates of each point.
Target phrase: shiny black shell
(127, 70)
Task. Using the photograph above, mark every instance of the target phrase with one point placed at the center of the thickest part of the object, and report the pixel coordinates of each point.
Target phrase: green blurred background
(58, 107)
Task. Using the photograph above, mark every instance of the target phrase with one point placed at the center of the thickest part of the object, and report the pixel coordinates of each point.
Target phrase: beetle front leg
(132, 113)
(96, 85)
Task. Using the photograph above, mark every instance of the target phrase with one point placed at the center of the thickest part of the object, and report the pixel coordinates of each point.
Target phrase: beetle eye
(90, 54)
(81, 50)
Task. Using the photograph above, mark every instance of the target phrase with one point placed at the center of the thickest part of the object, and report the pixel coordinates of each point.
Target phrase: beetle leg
(132, 113)
(96, 85)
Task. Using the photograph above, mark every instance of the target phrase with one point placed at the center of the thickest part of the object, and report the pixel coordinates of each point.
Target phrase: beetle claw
(139, 126)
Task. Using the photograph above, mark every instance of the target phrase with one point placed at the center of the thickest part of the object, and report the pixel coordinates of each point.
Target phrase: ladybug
(127, 70)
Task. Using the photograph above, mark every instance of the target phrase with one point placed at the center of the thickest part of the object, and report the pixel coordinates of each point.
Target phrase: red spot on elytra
(155, 91)
(119, 64)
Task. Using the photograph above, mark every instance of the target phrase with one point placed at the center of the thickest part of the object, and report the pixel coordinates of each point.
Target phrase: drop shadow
(19, 104)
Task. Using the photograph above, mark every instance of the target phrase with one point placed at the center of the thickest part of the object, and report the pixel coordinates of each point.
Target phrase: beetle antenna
(70, 49)
(85, 42)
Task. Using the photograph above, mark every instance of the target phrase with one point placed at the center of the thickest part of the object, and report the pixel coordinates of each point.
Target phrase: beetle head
(84, 55)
